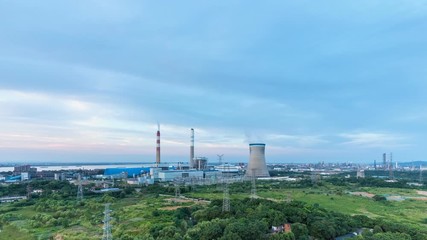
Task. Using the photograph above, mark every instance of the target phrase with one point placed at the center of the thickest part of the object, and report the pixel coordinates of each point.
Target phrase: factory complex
(196, 170)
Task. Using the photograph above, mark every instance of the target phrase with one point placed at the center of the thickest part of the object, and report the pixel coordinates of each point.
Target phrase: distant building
(282, 228)
(360, 174)
(25, 169)
(125, 172)
(25, 176)
(170, 175)
(200, 163)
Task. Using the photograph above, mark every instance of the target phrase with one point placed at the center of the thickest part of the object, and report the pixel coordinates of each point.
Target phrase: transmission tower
(79, 188)
(29, 191)
(220, 158)
(253, 182)
(177, 188)
(391, 167)
(289, 197)
(107, 226)
(226, 198)
(421, 174)
(226, 195)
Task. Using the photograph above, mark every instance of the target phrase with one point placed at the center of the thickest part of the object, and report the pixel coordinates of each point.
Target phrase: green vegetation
(322, 210)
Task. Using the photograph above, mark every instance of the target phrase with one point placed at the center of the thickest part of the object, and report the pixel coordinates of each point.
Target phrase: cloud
(297, 140)
(374, 140)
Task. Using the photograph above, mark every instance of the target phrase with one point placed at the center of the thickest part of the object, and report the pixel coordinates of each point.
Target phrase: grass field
(137, 214)
(336, 199)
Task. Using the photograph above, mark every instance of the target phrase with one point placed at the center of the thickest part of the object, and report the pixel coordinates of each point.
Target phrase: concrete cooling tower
(257, 166)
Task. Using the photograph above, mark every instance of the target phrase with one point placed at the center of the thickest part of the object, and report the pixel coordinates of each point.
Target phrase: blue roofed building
(125, 172)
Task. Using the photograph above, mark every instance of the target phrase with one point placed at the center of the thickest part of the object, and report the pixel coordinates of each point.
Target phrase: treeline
(47, 186)
(252, 219)
(370, 182)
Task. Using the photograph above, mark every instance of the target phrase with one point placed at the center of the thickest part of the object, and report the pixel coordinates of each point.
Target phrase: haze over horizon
(314, 80)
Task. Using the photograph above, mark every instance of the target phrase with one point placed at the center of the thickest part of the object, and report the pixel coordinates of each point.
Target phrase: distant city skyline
(316, 81)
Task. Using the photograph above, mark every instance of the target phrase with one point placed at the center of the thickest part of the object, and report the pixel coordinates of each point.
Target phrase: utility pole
(107, 226)
(79, 188)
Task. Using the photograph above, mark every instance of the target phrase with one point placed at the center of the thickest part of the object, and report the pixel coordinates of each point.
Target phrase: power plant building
(165, 176)
(257, 166)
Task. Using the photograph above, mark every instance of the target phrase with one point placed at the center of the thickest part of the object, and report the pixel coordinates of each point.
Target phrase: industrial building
(170, 175)
(125, 172)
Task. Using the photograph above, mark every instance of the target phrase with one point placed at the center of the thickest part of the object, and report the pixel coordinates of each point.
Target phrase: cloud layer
(315, 81)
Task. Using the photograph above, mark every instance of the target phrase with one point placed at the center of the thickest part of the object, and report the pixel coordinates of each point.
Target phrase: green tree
(300, 231)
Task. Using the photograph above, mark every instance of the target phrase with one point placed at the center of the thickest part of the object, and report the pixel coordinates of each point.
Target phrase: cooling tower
(257, 166)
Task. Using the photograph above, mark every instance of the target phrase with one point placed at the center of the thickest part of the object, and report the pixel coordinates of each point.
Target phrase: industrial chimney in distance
(158, 145)
(192, 149)
(257, 166)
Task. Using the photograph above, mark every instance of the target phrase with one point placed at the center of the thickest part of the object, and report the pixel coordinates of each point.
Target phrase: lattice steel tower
(421, 174)
(177, 188)
(107, 226)
(391, 176)
(226, 195)
(253, 188)
(30, 190)
(220, 158)
(79, 188)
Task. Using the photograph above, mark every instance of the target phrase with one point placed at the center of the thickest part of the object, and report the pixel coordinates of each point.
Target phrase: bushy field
(322, 210)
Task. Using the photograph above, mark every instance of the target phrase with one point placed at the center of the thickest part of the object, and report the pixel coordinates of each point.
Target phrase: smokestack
(192, 149)
(257, 166)
(158, 145)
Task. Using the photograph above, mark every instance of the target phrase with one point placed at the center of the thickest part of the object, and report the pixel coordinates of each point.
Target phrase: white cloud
(299, 140)
(374, 140)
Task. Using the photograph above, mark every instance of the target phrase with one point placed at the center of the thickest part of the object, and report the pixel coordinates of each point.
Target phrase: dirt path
(363, 194)
(422, 193)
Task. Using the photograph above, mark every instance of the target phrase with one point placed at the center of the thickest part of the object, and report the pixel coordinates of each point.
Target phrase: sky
(332, 81)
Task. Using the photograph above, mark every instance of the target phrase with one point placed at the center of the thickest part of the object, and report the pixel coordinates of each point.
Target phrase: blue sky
(314, 80)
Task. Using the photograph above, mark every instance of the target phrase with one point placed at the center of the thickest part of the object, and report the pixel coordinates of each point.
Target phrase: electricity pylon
(226, 195)
(107, 226)
(253, 182)
(79, 188)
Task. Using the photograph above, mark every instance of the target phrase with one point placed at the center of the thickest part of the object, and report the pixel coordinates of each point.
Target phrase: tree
(282, 236)
(300, 231)
(379, 198)
(390, 236)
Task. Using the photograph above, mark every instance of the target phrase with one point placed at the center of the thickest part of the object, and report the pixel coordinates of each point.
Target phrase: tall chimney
(192, 149)
(158, 145)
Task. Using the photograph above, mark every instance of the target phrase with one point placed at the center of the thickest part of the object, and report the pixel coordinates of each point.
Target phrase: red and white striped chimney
(158, 145)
